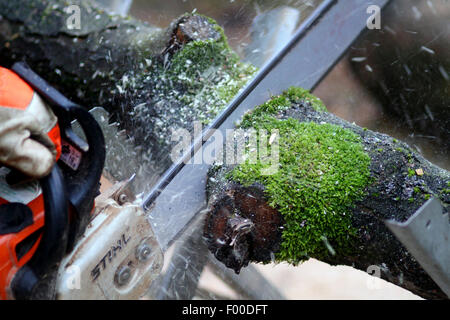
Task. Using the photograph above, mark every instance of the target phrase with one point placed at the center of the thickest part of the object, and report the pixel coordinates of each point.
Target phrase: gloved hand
(25, 121)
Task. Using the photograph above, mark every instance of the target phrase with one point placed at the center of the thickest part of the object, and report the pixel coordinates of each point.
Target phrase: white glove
(24, 143)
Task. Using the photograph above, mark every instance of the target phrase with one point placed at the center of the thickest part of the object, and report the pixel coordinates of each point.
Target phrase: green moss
(293, 95)
(197, 56)
(323, 169)
(209, 73)
(296, 94)
(210, 70)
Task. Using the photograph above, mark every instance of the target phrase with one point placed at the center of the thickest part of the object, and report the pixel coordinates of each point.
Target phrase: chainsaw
(56, 239)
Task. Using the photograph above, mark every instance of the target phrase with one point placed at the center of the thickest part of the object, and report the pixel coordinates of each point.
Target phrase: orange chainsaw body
(41, 220)
(16, 93)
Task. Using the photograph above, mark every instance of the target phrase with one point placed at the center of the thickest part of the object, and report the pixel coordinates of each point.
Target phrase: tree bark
(243, 225)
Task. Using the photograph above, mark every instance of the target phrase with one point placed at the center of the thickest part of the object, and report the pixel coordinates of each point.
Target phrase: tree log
(150, 80)
(336, 185)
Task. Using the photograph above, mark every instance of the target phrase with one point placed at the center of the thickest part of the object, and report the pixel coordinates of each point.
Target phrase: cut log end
(241, 227)
(191, 28)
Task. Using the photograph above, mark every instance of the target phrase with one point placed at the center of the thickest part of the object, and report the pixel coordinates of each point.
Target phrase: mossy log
(335, 186)
(151, 80)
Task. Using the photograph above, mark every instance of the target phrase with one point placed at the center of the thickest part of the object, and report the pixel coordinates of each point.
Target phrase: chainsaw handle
(82, 185)
(32, 281)
(86, 181)
(56, 221)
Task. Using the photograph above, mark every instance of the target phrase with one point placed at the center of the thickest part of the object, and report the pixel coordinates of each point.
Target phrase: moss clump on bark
(323, 170)
(209, 72)
(293, 95)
